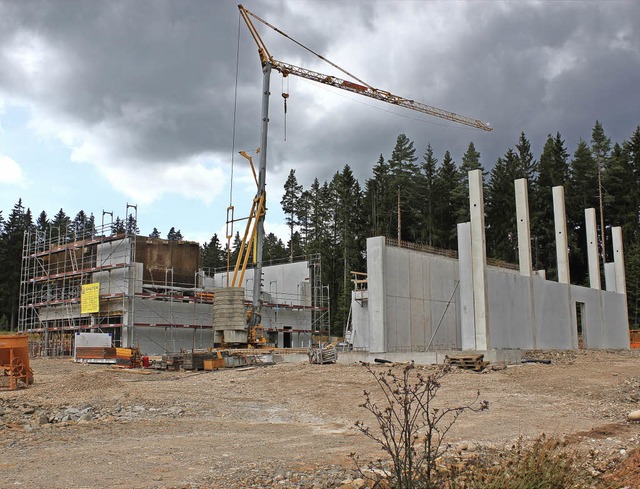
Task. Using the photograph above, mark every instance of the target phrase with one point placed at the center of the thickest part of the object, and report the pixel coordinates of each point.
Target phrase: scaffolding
(55, 266)
(143, 297)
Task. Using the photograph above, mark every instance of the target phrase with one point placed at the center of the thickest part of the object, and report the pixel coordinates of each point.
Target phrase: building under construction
(153, 294)
(417, 299)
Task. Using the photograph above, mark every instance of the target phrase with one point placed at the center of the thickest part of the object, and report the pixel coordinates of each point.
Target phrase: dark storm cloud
(163, 73)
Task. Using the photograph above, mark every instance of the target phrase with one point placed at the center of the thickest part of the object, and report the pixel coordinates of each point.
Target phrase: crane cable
(285, 96)
(233, 146)
(235, 111)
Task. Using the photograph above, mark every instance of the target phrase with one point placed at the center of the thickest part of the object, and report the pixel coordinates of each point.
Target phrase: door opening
(581, 324)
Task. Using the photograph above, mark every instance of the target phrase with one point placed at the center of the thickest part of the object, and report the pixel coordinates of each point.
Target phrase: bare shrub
(545, 464)
(409, 427)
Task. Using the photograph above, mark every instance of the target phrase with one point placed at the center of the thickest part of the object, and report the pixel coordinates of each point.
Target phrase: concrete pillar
(592, 248)
(479, 261)
(618, 260)
(524, 230)
(610, 276)
(562, 242)
(375, 276)
(465, 275)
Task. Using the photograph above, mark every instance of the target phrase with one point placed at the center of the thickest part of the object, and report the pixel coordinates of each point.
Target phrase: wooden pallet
(468, 362)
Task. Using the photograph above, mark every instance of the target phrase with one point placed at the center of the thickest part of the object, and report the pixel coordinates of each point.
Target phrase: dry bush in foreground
(409, 428)
(545, 464)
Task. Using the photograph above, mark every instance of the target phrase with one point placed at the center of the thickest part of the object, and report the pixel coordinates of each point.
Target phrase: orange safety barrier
(634, 337)
(14, 360)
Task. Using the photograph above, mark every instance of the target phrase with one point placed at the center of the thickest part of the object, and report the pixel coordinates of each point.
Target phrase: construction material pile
(322, 354)
(229, 317)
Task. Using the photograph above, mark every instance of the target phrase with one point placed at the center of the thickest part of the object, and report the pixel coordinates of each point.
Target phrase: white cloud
(282, 231)
(10, 172)
(200, 177)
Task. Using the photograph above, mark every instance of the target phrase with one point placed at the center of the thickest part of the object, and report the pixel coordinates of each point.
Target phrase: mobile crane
(269, 63)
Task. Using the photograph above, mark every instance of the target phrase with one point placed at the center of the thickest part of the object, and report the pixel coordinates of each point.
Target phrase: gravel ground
(288, 425)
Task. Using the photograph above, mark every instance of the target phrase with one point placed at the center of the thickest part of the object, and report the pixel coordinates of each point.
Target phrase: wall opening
(581, 324)
(286, 337)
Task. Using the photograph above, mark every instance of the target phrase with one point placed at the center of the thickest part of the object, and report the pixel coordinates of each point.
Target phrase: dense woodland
(334, 218)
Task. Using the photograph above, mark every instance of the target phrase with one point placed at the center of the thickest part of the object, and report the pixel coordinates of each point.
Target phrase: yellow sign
(90, 299)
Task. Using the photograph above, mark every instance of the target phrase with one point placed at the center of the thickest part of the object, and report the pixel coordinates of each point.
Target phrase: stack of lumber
(467, 362)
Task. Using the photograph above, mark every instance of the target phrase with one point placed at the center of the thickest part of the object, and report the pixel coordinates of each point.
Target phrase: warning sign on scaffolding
(90, 298)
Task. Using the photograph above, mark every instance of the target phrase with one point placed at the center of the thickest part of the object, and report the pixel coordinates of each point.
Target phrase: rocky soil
(292, 425)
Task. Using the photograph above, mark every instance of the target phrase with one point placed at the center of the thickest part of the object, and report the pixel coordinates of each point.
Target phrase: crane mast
(268, 63)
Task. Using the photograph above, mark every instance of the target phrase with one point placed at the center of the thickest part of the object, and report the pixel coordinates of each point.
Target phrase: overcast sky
(104, 103)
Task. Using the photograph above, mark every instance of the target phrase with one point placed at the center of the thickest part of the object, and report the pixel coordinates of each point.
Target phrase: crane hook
(285, 96)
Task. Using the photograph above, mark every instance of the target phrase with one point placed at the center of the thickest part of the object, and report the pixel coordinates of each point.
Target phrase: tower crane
(269, 63)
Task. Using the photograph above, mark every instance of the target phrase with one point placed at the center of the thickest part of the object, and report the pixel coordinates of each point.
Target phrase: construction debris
(467, 362)
(323, 354)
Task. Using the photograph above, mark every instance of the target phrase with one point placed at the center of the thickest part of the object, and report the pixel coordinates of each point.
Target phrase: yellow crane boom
(368, 91)
(361, 88)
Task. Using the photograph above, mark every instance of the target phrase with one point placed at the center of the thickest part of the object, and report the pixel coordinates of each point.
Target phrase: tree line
(422, 197)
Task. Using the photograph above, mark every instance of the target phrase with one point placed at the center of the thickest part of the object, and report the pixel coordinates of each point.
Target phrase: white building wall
(412, 289)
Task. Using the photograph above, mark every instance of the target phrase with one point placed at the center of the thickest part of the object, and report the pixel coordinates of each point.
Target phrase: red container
(145, 362)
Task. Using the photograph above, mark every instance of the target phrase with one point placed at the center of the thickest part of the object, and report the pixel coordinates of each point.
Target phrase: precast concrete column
(562, 244)
(524, 230)
(376, 293)
(618, 260)
(465, 275)
(479, 261)
(610, 276)
(592, 248)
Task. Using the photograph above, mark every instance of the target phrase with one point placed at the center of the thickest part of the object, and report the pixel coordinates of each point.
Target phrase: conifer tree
(60, 226)
(378, 199)
(212, 254)
(404, 188)
(502, 237)
(273, 249)
(131, 227)
(470, 161)
(429, 171)
(290, 204)
(447, 178)
(19, 221)
(174, 235)
(553, 170)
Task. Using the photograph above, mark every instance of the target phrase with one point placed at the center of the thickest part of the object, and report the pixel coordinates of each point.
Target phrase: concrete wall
(114, 252)
(158, 340)
(408, 292)
(510, 309)
(408, 301)
(360, 319)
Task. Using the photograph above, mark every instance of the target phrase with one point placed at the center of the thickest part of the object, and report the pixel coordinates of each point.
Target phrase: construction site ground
(291, 424)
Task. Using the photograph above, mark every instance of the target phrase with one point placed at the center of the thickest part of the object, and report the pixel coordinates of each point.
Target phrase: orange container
(14, 359)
